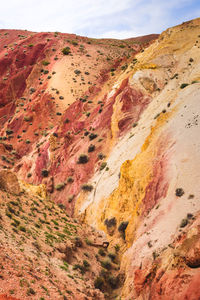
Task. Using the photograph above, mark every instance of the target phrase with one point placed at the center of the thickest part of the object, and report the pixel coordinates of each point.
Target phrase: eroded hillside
(108, 130)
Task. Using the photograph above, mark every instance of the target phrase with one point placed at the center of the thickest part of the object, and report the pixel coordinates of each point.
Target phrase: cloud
(99, 18)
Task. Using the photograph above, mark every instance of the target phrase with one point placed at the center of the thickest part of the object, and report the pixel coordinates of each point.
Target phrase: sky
(97, 18)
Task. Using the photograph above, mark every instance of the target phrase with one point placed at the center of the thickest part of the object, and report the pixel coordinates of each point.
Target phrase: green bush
(66, 51)
(45, 63)
(60, 186)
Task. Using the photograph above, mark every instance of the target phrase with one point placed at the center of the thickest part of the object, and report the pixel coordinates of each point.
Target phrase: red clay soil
(34, 123)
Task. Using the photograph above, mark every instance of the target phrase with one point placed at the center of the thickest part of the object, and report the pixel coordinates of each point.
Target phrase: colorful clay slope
(148, 198)
(109, 130)
(52, 98)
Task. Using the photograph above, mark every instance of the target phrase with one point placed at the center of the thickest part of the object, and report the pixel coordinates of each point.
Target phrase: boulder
(9, 182)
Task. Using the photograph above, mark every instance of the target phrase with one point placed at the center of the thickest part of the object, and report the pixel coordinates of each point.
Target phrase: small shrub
(32, 90)
(66, 120)
(9, 131)
(91, 148)
(101, 156)
(101, 252)
(92, 136)
(83, 159)
(112, 256)
(78, 242)
(183, 85)
(86, 264)
(44, 173)
(88, 242)
(77, 72)
(184, 223)
(22, 228)
(74, 43)
(30, 291)
(117, 248)
(70, 179)
(122, 227)
(60, 186)
(87, 187)
(70, 198)
(27, 118)
(106, 264)
(189, 216)
(103, 165)
(99, 283)
(45, 63)
(79, 267)
(110, 222)
(113, 282)
(179, 192)
(66, 50)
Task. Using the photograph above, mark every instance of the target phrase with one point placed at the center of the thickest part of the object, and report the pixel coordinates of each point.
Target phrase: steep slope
(41, 75)
(45, 254)
(148, 198)
(118, 150)
(52, 91)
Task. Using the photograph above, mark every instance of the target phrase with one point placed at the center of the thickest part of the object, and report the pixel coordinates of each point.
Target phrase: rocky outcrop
(9, 182)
